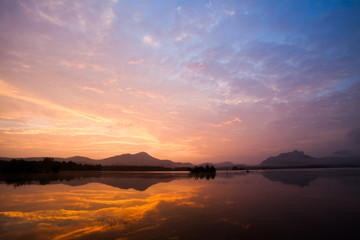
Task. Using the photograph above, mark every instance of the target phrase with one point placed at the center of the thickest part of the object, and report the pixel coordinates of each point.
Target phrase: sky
(190, 81)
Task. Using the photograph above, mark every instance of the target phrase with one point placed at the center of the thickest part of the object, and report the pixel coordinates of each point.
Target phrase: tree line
(46, 166)
(49, 165)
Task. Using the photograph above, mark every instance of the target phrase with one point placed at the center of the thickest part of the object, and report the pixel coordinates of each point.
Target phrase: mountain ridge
(283, 160)
(127, 159)
(299, 158)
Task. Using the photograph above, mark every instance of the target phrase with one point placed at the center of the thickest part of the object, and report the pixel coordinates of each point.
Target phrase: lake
(268, 204)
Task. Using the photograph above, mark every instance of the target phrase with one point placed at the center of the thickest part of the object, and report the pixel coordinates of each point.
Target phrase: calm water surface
(274, 204)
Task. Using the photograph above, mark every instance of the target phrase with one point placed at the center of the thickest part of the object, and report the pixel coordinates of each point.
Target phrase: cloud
(9, 91)
(93, 89)
(148, 94)
(225, 123)
(290, 66)
(196, 67)
(149, 41)
(82, 65)
(75, 65)
(108, 17)
(230, 13)
(139, 61)
(232, 121)
(181, 37)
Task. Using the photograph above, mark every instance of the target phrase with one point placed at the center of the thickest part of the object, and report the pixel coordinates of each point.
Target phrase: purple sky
(182, 80)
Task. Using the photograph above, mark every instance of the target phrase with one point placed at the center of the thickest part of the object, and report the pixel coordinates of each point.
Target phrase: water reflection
(207, 176)
(66, 212)
(303, 177)
(232, 205)
(123, 180)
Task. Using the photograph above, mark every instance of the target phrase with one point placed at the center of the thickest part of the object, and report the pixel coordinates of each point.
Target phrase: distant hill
(138, 159)
(295, 158)
(82, 160)
(299, 158)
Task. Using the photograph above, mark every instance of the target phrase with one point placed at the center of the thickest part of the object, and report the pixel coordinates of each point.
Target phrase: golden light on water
(234, 204)
(65, 212)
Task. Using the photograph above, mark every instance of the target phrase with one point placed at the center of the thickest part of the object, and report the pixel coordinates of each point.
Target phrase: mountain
(294, 158)
(298, 158)
(138, 159)
(82, 160)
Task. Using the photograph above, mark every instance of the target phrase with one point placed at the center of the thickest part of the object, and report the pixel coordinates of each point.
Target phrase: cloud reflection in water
(234, 205)
(63, 212)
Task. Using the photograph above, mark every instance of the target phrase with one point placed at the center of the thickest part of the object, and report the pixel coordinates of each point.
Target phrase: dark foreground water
(276, 204)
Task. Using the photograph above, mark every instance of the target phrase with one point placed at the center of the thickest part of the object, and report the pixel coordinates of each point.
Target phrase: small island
(201, 169)
(208, 172)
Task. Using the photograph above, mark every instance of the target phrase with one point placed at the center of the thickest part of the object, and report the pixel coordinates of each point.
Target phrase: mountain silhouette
(82, 160)
(294, 158)
(138, 159)
(304, 177)
(300, 159)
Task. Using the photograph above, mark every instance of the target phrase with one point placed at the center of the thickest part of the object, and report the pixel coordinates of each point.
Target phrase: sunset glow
(190, 81)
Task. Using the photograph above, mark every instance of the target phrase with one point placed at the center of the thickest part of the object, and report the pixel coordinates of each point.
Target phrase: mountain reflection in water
(124, 180)
(303, 177)
(177, 205)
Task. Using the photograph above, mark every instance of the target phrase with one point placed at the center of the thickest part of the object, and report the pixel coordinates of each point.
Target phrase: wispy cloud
(93, 89)
(139, 61)
(246, 78)
(149, 41)
(225, 123)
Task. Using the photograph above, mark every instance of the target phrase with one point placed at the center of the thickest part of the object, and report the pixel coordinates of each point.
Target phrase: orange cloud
(9, 91)
(93, 89)
(139, 61)
(222, 124)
